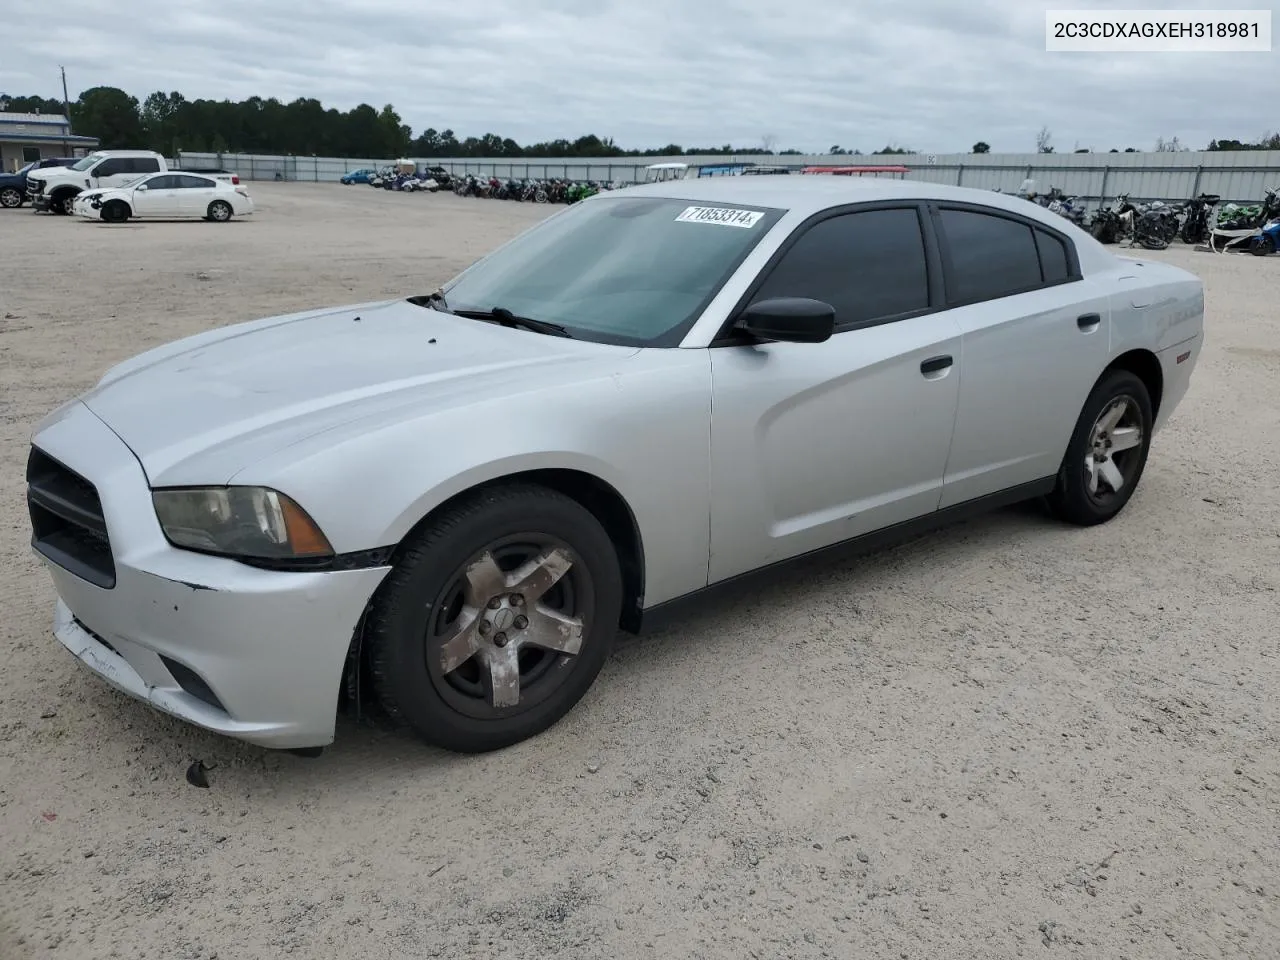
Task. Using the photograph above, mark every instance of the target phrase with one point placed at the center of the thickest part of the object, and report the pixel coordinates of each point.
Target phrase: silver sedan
(452, 502)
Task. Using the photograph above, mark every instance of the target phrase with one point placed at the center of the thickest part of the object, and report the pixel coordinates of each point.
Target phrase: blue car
(359, 176)
(13, 186)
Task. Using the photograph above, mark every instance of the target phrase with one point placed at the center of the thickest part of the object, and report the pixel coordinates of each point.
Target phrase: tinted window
(113, 166)
(188, 182)
(144, 164)
(1053, 257)
(161, 183)
(990, 256)
(868, 265)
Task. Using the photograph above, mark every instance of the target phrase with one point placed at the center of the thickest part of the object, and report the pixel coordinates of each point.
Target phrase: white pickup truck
(56, 188)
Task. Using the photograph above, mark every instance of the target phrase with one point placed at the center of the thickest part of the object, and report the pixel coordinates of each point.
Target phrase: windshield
(87, 162)
(634, 271)
(25, 169)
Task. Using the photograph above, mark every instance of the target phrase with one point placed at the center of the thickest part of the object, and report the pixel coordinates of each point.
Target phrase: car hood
(44, 173)
(200, 410)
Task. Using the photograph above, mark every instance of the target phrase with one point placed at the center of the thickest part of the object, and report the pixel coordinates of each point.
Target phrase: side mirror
(143, 186)
(789, 319)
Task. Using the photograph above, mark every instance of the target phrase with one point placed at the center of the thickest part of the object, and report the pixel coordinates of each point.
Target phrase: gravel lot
(1005, 738)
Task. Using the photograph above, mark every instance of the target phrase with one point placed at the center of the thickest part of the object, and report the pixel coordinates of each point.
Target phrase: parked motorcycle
(1156, 226)
(1238, 226)
(1195, 226)
(1068, 207)
(1114, 223)
(1267, 239)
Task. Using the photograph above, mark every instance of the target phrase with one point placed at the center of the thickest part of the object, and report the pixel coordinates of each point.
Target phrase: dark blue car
(359, 176)
(13, 186)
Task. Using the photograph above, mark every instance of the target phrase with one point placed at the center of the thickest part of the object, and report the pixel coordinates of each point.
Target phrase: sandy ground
(1005, 739)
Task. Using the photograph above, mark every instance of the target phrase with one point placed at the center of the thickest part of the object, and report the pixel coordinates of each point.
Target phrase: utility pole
(66, 103)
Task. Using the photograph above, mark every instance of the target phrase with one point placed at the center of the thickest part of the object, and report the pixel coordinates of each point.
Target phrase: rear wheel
(497, 619)
(115, 212)
(10, 197)
(220, 211)
(1107, 451)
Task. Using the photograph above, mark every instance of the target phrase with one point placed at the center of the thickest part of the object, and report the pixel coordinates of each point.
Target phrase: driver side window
(870, 265)
(110, 167)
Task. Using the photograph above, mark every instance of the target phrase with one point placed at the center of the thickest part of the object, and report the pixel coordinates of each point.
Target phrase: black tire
(11, 198)
(420, 604)
(220, 211)
(117, 211)
(61, 203)
(1262, 246)
(1071, 498)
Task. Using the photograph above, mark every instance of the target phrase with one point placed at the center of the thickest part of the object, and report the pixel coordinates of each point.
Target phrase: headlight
(249, 522)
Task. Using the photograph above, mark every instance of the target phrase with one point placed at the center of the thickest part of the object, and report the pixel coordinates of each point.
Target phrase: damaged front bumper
(249, 653)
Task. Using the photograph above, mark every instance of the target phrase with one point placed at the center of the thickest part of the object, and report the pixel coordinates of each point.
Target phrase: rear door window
(990, 256)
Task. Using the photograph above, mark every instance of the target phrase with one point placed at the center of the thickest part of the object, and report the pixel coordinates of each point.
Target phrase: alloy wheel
(507, 624)
(1114, 452)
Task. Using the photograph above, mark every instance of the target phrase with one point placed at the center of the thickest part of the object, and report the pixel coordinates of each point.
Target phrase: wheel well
(605, 504)
(1146, 367)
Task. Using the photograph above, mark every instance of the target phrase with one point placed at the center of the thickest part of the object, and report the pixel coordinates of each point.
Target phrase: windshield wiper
(508, 319)
(501, 315)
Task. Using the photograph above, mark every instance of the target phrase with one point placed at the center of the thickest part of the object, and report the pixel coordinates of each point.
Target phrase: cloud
(934, 75)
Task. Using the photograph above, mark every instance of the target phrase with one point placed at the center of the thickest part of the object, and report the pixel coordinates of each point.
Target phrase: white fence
(1242, 176)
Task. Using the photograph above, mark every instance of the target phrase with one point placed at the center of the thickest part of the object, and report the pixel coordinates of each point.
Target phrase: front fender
(640, 424)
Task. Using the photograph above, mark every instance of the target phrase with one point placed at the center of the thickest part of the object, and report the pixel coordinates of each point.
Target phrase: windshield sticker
(721, 215)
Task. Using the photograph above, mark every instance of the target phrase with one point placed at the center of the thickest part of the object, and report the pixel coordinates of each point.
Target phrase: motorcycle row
(1156, 224)
(435, 179)
(530, 191)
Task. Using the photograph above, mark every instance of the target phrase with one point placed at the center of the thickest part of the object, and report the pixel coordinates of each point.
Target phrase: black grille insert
(192, 683)
(67, 524)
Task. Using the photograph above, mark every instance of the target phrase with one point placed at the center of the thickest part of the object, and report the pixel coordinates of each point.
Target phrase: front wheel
(220, 211)
(10, 198)
(1107, 451)
(62, 204)
(496, 620)
(115, 212)
(1262, 246)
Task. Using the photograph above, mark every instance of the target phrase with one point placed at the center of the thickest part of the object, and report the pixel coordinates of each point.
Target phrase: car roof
(807, 194)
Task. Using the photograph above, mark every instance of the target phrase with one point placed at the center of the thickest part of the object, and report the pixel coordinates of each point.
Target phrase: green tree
(981, 147)
(109, 114)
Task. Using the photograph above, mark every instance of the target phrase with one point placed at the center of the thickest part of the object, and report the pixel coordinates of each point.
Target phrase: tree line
(170, 123)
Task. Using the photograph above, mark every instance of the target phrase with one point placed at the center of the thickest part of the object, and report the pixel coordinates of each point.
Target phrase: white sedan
(167, 196)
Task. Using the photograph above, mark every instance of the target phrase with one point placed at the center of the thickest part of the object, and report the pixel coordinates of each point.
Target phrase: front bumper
(252, 654)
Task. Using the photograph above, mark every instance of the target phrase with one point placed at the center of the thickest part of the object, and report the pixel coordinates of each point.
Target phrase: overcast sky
(933, 75)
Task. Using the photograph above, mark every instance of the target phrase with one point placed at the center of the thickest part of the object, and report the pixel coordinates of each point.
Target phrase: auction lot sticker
(721, 215)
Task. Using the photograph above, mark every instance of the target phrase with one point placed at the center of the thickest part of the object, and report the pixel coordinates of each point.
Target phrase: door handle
(935, 365)
(1089, 322)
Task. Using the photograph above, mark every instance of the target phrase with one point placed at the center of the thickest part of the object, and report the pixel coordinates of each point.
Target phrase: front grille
(34, 187)
(67, 524)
